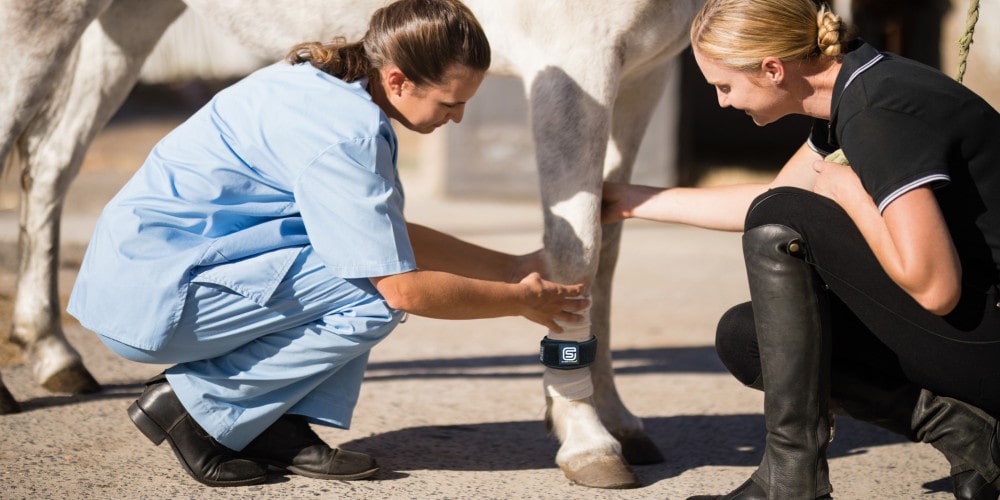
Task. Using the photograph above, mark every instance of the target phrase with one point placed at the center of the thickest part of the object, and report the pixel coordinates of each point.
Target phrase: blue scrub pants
(241, 366)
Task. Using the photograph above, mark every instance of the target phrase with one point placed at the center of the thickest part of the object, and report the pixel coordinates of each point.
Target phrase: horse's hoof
(74, 379)
(8, 404)
(603, 472)
(638, 449)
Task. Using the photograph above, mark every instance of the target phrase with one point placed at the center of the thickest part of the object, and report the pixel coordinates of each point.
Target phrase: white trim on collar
(878, 57)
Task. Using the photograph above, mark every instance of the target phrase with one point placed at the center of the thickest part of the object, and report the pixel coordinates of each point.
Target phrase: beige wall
(982, 72)
(491, 153)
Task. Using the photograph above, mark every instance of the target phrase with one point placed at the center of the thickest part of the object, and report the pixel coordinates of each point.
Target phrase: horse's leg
(571, 131)
(36, 37)
(107, 63)
(633, 109)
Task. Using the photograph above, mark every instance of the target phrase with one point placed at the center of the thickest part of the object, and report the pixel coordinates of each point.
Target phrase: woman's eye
(724, 89)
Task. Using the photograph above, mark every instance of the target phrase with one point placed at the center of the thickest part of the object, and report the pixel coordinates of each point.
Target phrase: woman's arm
(437, 251)
(442, 295)
(718, 207)
(460, 280)
(909, 238)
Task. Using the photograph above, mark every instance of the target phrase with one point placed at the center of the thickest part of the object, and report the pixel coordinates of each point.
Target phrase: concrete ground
(453, 410)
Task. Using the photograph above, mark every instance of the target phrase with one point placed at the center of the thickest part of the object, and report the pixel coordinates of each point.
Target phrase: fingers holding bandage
(553, 305)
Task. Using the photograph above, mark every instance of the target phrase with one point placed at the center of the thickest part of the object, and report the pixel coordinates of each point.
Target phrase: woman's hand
(839, 183)
(612, 207)
(545, 302)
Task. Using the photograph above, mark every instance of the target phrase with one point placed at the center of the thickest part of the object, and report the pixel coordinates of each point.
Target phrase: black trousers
(879, 331)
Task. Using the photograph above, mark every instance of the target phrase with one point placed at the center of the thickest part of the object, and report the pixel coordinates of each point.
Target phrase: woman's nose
(458, 113)
(722, 99)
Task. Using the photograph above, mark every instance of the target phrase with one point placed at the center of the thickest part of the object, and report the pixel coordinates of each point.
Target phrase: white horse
(593, 72)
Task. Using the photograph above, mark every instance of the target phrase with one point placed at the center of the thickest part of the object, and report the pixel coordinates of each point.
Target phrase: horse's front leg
(633, 110)
(571, 130)
(105, 66)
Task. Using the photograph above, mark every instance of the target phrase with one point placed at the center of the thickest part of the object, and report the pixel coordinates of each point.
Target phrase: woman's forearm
(719, 207)
(442, 295)
(437, 251)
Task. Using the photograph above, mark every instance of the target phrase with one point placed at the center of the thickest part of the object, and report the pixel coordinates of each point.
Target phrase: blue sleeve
(352, 207)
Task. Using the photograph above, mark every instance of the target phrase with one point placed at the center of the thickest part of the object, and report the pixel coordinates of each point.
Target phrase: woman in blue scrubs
(262, 249)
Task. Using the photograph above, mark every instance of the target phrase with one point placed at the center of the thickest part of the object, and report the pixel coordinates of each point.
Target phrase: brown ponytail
(424, 38)
(339, 58)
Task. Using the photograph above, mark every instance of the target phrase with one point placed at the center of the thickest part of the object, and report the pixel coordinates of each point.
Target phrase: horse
(592, 71)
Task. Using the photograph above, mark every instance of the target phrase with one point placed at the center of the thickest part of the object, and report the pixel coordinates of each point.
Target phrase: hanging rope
(963, 54)
(966, 40)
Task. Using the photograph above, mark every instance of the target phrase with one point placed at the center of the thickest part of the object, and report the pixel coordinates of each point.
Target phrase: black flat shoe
(159, 415)
(749, 490)
(290, 444)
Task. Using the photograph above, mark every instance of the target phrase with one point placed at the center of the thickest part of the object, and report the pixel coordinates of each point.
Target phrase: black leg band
(568, 355)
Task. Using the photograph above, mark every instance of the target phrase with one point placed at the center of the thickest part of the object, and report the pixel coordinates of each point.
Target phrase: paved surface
(454, 409)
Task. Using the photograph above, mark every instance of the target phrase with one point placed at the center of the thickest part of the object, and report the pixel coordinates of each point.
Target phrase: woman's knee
(736, 344)
(795, 208)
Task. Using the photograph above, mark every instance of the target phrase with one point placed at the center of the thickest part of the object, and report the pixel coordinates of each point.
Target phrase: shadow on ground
(698, 359)
(705, 440)
(708, 440)
(108, 392)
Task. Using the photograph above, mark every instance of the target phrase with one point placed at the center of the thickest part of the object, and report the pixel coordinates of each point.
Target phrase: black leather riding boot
(886, 404)
(790, 314)
(959, 430)
(160, 415)
(894, 406)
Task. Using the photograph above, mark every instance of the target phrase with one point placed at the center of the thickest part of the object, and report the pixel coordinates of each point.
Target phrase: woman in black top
(874, 287)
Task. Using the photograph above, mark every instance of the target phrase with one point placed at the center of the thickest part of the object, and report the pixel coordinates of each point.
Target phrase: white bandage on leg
(570, 384)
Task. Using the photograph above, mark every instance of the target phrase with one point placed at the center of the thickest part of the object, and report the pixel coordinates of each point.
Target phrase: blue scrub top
(287, 157)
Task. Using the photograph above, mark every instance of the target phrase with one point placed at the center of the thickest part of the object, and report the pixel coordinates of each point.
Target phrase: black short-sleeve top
(903, 125)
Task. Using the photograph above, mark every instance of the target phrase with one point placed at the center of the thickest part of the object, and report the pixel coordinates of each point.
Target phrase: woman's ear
(773, 70)
(394, 80)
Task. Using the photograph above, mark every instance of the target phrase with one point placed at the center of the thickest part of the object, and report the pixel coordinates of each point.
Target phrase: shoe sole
(341, 477)
(316, 475)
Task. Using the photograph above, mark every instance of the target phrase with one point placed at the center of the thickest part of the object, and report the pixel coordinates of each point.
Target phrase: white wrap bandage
(570, 384)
